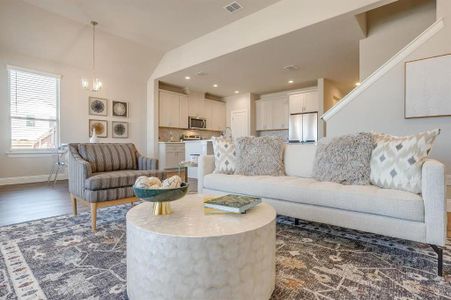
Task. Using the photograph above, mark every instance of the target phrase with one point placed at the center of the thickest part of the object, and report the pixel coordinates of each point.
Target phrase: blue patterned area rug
(59, 258)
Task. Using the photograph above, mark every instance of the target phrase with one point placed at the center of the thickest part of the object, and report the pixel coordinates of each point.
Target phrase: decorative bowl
(161, 195)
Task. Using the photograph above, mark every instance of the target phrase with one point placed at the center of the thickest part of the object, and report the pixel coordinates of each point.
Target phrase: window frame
(32, 152)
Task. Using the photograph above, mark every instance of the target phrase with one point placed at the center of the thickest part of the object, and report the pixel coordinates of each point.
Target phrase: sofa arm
(79, 170)
(146, 163)
(433, 192)
(206, 165)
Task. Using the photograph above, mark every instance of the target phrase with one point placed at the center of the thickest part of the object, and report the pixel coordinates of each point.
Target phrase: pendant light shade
(96, 83)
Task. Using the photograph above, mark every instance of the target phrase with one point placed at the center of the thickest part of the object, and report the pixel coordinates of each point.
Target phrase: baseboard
(28, 179)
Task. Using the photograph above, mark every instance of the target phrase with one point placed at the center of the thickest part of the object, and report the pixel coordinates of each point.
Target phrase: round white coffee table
(190, 255)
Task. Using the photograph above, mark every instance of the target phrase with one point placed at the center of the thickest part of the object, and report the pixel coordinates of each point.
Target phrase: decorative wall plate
(100, 126)
(120, 129)
(98, 106)
(120, 109)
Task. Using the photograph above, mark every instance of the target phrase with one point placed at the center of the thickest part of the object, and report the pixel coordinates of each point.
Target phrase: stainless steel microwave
(197, 123)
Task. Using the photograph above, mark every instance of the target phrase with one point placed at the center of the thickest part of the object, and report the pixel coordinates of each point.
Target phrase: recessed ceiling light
(357, 83)
(237, 92)
(187, 77)
(290, 81)
(215, 85)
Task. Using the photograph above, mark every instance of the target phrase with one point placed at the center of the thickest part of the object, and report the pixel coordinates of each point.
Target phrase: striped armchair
(103, 174)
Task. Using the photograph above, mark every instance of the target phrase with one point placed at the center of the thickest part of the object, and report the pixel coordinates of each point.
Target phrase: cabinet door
(222, 116)
(183, 118)
(259, 114)
(311, 102)
(196, 106)
(267, 115)
(296, 103)
(208, 113)
(169, 105)
(280, 114)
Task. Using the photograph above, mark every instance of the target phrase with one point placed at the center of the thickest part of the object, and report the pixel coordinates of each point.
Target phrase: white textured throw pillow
(396, 161)
(225, 155)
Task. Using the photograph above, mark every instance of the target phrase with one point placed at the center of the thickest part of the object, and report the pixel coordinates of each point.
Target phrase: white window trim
(35, 152)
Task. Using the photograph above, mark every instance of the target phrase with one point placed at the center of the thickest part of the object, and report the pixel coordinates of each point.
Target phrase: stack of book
(234, 204)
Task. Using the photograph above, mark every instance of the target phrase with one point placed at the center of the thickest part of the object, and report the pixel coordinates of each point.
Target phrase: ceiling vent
(233, 7)
(291, 68)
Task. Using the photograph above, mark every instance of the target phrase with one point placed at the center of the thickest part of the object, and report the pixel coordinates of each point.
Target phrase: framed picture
(120, 109)
(428, 87)
(120, 130)
(98, 106)
(100, 126)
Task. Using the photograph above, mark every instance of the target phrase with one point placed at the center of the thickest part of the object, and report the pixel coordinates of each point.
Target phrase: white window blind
(33, 109)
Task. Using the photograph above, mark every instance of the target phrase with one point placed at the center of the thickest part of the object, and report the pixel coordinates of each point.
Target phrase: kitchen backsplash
(281, 133)
(164, 134)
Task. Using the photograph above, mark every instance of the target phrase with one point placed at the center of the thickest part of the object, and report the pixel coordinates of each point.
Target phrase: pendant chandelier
(96, 84)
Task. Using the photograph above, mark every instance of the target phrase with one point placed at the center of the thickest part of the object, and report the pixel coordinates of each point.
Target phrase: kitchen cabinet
(196, 106)
(173, 110)
(264, 114)
(183, 111)
(272, 114)
(280, 114)
(170, 154)
(304, 102)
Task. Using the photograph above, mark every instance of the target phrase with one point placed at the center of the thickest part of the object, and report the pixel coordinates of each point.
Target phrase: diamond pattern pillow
(225, 155)
(396, 161)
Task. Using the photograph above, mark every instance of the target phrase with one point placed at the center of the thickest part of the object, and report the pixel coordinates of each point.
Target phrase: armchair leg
(93, 216)
(74, 204)
(439, 251)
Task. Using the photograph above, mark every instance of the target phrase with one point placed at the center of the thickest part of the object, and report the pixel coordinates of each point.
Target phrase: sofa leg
(439, 251)
(93, 216)
(296, 221)
(74, 204)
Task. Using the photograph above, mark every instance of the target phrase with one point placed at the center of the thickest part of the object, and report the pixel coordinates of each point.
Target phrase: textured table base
(237, 266)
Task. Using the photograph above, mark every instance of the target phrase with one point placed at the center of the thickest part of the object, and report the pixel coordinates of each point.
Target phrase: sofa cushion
(344, 159)
(105, 157)
(259, 156)
(298, 159)
(225, 155)
(360, 198)
(116, 179)
(396, 161)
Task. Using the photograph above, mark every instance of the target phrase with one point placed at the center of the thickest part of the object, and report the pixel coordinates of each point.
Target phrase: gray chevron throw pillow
(396, 162)
(225, 155)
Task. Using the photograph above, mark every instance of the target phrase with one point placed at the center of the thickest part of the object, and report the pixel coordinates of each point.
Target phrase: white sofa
(394, 213)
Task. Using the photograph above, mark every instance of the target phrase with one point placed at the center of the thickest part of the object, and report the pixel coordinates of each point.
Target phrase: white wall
(381, 106)
(390, 28)
(35, 39)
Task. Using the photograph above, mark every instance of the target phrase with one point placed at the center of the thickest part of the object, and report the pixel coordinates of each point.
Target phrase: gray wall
(390, 28)
(381, 106)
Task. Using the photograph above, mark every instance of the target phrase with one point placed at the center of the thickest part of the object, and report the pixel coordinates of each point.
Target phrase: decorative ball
(172, 182)
(142, 182)
(154, 181)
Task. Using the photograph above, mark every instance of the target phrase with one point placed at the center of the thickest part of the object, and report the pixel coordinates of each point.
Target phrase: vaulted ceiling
(158, 24)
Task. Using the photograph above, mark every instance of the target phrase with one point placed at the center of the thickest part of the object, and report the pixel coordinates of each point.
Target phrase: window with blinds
(34, 101)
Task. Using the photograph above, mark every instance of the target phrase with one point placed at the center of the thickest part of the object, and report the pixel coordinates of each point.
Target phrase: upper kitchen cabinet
(304, 101)
(196, 106)
(272, 112)
(173, 109)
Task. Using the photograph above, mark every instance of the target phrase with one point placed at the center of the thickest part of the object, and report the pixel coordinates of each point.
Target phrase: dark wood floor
(27, 202)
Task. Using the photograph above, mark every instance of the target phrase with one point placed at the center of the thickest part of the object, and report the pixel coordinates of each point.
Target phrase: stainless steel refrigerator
(303, 128)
